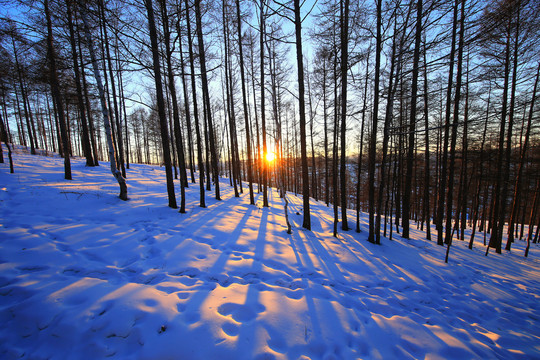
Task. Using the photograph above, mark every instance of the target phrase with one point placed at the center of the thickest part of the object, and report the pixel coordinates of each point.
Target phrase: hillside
(84, 275)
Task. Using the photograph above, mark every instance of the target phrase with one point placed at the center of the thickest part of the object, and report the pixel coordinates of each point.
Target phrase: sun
(270, 156)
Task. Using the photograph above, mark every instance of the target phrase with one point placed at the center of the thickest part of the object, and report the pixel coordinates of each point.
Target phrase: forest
(418, 113)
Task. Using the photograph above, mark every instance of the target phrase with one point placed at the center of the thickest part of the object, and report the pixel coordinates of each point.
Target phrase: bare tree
(105, 111)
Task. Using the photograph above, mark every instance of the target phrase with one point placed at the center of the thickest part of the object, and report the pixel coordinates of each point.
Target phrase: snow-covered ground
(84, 275)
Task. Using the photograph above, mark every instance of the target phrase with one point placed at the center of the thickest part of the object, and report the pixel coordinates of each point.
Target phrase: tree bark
(344, 67)
(412, 125)
(451, 168)
(176, 113)
(206, 96)
(112, 153)
(200, 160)
(80, 101)
(373, 139)
(246, 111)
(444, 160)
(56, 91)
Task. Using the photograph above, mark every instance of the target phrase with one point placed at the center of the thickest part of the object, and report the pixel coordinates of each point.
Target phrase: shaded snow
(84, 275)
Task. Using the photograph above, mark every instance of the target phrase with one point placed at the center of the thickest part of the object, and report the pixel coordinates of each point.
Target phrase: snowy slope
(84, 275)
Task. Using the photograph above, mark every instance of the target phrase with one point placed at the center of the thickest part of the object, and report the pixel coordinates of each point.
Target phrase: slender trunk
(387, 123)
(200, 160)
(91, 129)
(444, 160)
(112, 154)
(499, 195)
(325, 129)
(464, 167)
(186, 99)
(4, 136)
(522, 159)
(335, 153)
(229, 106)
(25, 106)
(117, 124)
(56, 91)
(176, 113)
(344, 67)
(412, 126)
(360, 153)
(311, 123)
(206, 96)
(451, 168)
(513, 212)
(373, 139)
(263, 109)
(244, 102)
(161, 104)
(80, 102)
(531, 220)
(427, 176)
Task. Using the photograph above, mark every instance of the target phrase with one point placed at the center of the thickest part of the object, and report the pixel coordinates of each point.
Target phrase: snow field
(84, 275)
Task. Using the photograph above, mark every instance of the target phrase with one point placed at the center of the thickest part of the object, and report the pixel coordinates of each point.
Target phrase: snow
(84, 275)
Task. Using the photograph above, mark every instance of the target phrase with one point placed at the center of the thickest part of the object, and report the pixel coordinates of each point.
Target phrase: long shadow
(191, 309)
(247, 330)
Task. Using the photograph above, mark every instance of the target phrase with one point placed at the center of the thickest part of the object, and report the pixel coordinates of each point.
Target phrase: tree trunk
(161, 105)
(412, 126)
(373, 139)
(112, 153)
(344, 68)
(117, 123)
(427, 177)
(200, 160)
(531, 220)
(498, 197)
(176, 113)
(302, 109)
(263, 163)
(80, 101)
(444, 160)
(56, 91)
(450, 193)
(246, 111)
(361, 152)
(206, 96)
(4, 136)
(229, 105)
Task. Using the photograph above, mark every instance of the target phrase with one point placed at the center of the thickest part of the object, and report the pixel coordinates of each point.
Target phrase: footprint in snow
(32, 268)
(241, 313)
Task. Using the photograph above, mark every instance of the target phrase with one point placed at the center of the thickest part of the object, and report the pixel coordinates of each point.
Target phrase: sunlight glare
(270, 156)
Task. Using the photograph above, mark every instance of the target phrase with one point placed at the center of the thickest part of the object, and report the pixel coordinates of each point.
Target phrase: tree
(5, 138)
(161, 104)
(302, 109)
(444, 160)
(245, 104)
(56, 91)
(450, 192)
(373, 136)
(179, 141)
(262, 162)
(412, 125)
(80, 102)
(105, 111)
(344, 69)
(517, 186)
(206, 97)
(200, 160)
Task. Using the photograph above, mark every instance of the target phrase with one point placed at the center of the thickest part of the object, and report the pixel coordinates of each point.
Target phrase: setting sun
(270, 156)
